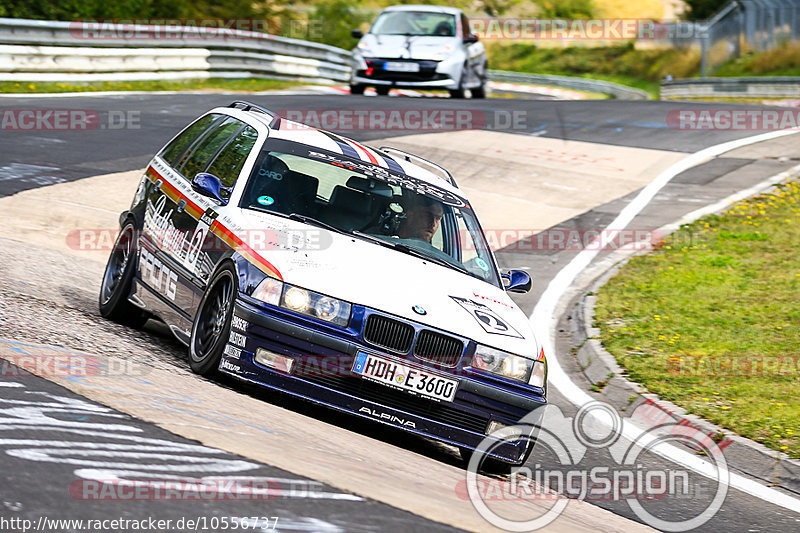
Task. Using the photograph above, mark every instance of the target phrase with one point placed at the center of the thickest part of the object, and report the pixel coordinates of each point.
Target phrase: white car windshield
(389, 209)
(415, 23)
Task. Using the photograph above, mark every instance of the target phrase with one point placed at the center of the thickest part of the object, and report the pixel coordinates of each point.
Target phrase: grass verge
(622, 64)
(781, 61)
(709, 320)
(209, 84)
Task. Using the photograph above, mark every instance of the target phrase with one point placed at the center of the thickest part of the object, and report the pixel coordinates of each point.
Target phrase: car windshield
(415, 23)
(388, 208)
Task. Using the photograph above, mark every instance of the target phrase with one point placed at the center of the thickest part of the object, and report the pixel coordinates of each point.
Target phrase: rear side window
(174, 152)
(228, 164)
(208, 147)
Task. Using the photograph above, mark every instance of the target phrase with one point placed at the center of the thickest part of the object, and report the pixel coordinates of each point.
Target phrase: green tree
(704, 9)
(335, 19)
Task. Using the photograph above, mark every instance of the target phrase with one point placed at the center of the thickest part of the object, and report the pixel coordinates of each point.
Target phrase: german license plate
(399, 375)
(400, 66)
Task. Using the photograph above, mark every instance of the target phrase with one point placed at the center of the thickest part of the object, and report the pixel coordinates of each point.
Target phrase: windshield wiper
(314, 222)
(411, 250)
(305, 219)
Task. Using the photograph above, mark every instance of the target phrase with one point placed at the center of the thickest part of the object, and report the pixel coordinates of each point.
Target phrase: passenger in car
(423, 216)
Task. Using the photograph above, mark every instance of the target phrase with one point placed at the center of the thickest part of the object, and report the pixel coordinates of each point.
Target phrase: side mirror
(470, 39)
(209, 185)
(357, 34)
(517, 281)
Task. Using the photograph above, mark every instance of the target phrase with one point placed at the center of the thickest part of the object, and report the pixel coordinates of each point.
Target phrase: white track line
(544, 319)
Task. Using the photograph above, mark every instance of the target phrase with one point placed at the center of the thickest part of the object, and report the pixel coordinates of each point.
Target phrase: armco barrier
(621, 92)
(34, 50)
(755, 87)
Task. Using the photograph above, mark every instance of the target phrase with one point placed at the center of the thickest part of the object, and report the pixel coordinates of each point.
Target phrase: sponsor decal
(161, 223)
(159, 226)
(392, 178)
(227, 365)
(483, 265)
(232, 352)
(158, 275)
(266, 200)
(488, 319)
(239, 323)
(390, 418)
(271, 174)
(237, 339)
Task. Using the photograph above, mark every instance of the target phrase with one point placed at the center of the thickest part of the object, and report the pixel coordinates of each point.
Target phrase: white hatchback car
(419, 47)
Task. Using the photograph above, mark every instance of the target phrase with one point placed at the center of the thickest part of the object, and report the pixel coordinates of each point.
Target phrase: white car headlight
(299, 300)
(502, 363)
(442, 54)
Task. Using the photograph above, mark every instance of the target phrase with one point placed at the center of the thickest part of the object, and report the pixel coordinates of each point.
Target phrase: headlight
(502, 363)
(539, 374)
(442, 54)
(269, 291)
(299, 300)
(296, 299)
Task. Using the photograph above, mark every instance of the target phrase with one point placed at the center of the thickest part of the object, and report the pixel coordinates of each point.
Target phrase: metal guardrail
(35, 50)
(755, 87)
(93, 50)
(616, 90)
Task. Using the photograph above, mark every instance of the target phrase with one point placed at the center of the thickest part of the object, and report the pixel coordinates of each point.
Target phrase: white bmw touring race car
(353, 277)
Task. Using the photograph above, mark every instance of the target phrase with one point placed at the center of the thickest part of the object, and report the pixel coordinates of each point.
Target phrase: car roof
(421, 7)
(325, 140)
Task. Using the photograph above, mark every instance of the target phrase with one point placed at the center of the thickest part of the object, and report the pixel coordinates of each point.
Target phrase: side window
(228, 164)
(208, 147)
(175, 150)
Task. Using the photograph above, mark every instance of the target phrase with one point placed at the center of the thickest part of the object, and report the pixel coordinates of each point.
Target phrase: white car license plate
(400, 66)
(401, 376)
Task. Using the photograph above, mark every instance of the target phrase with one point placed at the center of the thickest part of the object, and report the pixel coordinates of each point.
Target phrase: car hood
(407, 47)
(375, 276)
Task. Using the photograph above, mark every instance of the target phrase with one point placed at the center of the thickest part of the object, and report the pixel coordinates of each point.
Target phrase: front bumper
(462, 423)
(431, 74)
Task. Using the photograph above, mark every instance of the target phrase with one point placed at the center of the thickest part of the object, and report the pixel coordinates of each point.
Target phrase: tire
(212, 322)
(480, 92)
(459, 93)
(117, 280)
(357, 89)
(382, 90)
